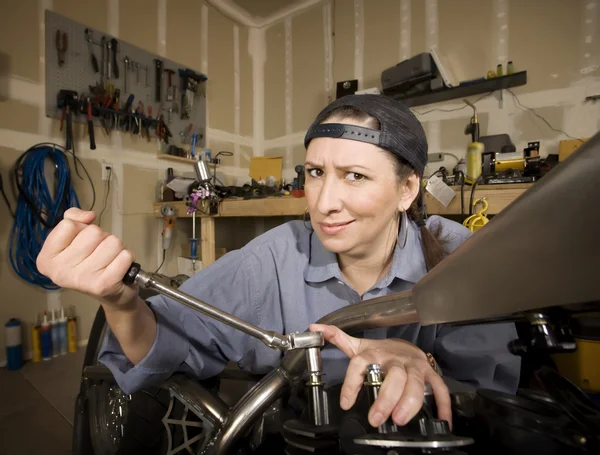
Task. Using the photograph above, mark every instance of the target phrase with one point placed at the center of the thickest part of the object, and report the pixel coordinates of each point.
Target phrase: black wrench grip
(131, 274)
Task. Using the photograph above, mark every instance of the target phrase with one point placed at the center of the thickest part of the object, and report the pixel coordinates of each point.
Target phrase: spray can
(14, 346)
(36, 342)
(62, 333)
(54, 331)
(46, 336)
(72, 333)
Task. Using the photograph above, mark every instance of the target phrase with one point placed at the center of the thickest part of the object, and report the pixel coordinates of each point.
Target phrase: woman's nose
(330, 196)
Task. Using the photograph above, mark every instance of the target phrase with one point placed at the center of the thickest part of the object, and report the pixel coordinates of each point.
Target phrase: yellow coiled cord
(479, 219)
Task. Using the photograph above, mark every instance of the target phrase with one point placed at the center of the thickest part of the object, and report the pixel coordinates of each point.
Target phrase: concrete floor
(36, 406)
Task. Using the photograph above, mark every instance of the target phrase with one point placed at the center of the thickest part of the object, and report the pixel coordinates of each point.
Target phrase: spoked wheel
(165, 420)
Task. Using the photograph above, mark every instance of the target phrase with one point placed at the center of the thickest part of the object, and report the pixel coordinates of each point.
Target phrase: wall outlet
(435, 157)
(107, 170)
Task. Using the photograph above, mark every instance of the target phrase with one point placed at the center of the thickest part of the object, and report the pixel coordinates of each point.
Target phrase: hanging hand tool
(126, 60)
(169, 84)
(127, 110)
(165, 132)
(90, 124)
(108, 48)
(67, 100)
(115, 107)
(158, 64)
(147, 83)
(175, 103)
(137, 76)
(102, 60)
(189, 87)
(93, 59)
(62, 44)
(115, 48)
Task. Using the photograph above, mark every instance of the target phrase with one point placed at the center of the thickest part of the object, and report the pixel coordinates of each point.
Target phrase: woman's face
(353, 195)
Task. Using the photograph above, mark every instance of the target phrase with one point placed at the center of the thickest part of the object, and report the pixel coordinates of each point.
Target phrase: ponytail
(431, 242)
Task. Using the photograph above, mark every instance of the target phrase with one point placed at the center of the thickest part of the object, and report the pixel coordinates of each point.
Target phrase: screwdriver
(93, 59)
(90, 125)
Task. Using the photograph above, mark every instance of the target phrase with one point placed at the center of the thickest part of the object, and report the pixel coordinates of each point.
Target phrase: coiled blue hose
(38, 209)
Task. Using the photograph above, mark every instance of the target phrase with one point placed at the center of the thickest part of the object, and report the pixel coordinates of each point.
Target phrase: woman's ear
(410, 191)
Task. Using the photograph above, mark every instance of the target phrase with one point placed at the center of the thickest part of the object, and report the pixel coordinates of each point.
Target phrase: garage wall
(189, 32)
(556, 41)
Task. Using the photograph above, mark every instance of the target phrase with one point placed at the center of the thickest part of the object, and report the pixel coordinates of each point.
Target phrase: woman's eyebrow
(311, 164)
(341, 167)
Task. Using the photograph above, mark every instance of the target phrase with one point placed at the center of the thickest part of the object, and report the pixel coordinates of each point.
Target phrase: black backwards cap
(400, 133)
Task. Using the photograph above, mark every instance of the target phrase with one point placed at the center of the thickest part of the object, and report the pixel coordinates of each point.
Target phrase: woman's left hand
(407, 370)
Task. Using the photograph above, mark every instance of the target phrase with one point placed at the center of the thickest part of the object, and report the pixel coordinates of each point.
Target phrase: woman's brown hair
(431, 242)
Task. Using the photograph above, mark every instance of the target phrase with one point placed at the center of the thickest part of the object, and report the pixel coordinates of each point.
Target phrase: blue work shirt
(284, 280)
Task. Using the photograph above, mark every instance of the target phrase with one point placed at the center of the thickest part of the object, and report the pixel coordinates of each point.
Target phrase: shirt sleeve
(189, 341)
(479, 355)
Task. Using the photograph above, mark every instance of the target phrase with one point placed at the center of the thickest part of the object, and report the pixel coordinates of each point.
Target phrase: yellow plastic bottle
(72, 333)
(36, 349)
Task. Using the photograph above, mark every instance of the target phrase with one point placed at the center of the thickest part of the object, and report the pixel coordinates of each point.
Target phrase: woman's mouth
(334, 228)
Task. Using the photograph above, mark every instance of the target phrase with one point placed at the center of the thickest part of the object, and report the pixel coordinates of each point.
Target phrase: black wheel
(109, 422)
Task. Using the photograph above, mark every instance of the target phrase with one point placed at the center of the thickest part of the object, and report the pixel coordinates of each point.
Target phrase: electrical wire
(453, 156)
(454, 109)
(39, 209)
(162, 262)
(5, 197)
(462, 195)
(105, 196)
(475, 183)
(522, 106)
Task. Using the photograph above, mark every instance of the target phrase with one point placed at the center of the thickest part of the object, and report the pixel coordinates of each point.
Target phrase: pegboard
(77, 74)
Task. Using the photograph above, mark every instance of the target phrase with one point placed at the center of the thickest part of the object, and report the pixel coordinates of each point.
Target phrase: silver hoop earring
(404, 229)
(304, 219)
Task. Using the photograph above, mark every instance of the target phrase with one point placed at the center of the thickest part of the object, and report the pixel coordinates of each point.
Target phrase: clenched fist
(79, 255)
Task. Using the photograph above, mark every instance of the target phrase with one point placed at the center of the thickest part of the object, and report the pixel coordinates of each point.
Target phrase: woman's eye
(314, 172)
(355, 176)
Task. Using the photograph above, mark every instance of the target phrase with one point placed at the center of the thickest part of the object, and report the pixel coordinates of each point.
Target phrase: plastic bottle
(510, 68)
(36, 341)
(62, 332)
(14, 346)
(54, 331)
(46, 336)
(72, 332)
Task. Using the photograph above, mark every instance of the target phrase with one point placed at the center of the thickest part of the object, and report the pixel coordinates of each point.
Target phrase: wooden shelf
(180, 159)
(498, 197)
(463, 91)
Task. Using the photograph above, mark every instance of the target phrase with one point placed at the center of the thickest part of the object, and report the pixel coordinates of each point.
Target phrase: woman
(367, 237)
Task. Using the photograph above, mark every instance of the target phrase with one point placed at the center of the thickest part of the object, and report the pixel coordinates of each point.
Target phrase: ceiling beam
(240, 15)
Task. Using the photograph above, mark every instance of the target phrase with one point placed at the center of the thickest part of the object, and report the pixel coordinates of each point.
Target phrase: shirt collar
(408, 263)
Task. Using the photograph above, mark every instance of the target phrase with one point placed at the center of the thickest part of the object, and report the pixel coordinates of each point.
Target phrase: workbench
(497, 196)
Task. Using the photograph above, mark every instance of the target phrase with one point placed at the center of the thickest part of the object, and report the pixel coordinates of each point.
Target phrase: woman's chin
(335, 244)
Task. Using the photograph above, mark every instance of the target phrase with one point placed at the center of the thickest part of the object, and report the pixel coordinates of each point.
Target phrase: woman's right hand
(81, 256)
